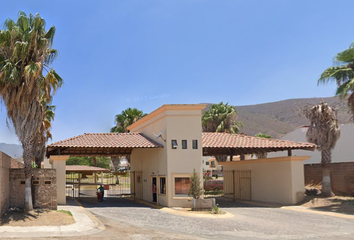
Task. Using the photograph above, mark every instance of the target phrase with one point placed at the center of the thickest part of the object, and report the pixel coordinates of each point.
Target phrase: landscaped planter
(203, 204)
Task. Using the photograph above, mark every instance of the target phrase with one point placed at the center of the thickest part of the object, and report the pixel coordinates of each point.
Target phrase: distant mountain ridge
(13, 150)
(275, 119)
(278, 118)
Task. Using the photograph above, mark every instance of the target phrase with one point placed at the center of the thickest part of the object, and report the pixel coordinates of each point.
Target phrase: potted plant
(195, 191)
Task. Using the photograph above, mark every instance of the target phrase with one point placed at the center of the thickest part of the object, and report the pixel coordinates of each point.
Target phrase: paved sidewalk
(85, 224)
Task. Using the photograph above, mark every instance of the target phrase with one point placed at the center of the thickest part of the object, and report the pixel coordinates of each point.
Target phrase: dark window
(163, 185)
(207, 162)
(174, 144)
(47, 182)
(195, 144)
(182, 185)
(184, 144)
(23, 182)
(35, 182)
(212, 163)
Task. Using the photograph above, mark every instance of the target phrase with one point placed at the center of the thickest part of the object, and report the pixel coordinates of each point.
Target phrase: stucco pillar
(59, 163)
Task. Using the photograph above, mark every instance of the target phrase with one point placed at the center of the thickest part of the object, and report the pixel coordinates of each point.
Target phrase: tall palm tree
(324, 132)
(343, 75)
(122, 121)
(220, 118)
(25, 75)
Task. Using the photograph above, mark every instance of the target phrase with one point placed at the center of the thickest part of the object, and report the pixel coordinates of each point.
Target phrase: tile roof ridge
(68, 139)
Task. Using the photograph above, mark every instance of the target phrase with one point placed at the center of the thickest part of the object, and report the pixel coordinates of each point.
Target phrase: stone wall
(342, 177)
(5, 164)
(44, 188)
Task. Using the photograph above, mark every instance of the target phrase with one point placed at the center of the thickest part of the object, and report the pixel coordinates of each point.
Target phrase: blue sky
(127, 53)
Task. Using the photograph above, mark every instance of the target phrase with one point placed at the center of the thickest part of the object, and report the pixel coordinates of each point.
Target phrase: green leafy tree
(343, 75)
(122, 121)
(324, 132)
(262, 135)
(195, 189)
(103, 162)
(26, 54)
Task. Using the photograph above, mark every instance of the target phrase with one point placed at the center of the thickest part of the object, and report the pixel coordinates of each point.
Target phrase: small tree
(195, 190)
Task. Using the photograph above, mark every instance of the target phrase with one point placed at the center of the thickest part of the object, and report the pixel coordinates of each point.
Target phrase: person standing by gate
(154, 193)
(101, 190)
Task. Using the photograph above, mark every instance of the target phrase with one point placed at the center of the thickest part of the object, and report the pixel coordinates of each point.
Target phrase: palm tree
(221, 118)
(343, 75)
(126, 118)
(44, 134)
(25, 55)
(122, 121)
(324, 132)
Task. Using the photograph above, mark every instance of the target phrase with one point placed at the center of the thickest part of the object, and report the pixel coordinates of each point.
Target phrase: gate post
(233, 184)
(134, 184)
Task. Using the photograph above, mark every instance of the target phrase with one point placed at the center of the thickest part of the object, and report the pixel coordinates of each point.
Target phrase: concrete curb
(97, 222)
(320, 212)
(85, 224)
(185, 213)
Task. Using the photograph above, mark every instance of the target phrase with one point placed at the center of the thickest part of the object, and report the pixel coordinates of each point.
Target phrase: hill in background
(279, 118)
(13, 150)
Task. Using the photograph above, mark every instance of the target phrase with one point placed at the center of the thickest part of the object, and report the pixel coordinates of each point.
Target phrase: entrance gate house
(83, 184)
(237, 184)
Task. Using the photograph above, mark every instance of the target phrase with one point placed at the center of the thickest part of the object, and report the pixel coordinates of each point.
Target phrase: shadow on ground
(18, 215)
(333, 204)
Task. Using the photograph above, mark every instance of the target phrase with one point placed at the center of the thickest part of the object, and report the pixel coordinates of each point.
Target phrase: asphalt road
(130, 220)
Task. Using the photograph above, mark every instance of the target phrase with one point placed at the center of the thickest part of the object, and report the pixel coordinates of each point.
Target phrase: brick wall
(16, 164)
(5, 164)
(44, 188)
(342, 177)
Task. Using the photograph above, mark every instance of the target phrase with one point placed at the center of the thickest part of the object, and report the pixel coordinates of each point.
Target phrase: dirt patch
(332, 204)
(15, 217)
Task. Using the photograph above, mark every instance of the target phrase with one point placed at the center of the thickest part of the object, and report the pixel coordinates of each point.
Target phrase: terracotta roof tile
(227, 140)
(108, 140)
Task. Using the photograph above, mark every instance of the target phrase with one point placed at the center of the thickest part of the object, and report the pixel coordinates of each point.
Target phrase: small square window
(174, 144)
(207, 162)
(184, 144)
(23, 182)
(195, 144)
(48, 182)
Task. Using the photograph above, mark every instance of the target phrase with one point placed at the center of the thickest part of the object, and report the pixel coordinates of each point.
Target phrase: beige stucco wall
(5, 164)
(59, 163)
(274, 180)
(176, 124)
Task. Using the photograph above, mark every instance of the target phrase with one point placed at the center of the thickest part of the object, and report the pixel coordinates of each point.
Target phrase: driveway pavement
(245, 222)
